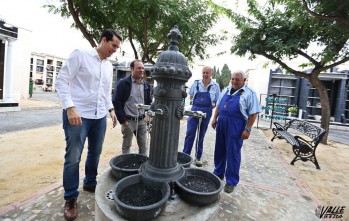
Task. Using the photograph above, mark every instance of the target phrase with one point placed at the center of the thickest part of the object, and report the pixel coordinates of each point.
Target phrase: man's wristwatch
(111, 109)
(248, 129)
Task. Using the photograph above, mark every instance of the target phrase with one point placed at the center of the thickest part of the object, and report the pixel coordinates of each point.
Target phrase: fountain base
(105, 208)
(161, 175)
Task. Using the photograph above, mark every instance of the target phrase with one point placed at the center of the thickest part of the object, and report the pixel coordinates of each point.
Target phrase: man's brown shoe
(70, 209)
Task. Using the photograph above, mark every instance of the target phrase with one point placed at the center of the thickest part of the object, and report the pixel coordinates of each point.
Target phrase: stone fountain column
(171, 73)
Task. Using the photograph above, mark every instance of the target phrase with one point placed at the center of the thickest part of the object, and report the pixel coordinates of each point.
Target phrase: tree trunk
(325, 106)
(130, 37)
(80, 25)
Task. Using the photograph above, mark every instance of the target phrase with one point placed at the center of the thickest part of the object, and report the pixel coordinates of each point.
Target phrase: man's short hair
(208, 67)
(239, 72)
(109, 34)
(132, 65)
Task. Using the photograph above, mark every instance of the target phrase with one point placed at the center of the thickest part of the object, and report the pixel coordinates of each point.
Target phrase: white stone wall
(258, 79)
(21, 64)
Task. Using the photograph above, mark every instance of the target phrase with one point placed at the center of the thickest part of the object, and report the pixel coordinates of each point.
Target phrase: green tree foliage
(146, 23)
(222, 79)
(282, 30)
(214, 75)
(219, 79)
(226, 75)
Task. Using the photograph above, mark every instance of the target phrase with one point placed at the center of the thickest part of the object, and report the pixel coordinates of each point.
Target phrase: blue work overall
(230, 126)
(201, 102)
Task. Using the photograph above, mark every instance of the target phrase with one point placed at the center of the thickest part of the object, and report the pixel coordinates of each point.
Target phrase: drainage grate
(109, 195)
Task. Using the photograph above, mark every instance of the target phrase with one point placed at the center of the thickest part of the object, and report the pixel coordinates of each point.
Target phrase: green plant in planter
(293, 110)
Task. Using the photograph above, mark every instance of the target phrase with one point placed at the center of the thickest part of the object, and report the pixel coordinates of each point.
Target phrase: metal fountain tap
(197, 114)
(142, 106)
(152, 113)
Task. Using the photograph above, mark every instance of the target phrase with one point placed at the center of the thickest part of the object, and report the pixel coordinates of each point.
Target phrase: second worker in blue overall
(204, 95)
(236, 113)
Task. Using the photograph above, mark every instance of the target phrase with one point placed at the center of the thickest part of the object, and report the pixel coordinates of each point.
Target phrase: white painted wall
(21, 64)
(258, 78)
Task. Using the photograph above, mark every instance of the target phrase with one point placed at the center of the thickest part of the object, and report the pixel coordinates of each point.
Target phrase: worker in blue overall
(236, 111)
(203, 95)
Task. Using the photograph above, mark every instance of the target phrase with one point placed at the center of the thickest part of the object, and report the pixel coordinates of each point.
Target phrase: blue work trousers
(191, 133)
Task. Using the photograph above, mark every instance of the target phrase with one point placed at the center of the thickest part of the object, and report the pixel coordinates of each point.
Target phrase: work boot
(228, 188)
(70, 209)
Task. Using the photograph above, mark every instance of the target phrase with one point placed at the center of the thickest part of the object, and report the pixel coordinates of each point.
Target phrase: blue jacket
(122, 93)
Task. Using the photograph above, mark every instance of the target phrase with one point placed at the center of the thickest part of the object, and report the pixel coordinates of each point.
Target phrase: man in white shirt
(84, 88)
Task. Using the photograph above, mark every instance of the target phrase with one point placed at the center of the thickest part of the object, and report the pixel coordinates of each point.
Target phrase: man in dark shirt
(130, 91)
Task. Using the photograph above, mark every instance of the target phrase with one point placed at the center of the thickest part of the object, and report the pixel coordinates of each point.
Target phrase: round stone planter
(137, 200)
(199, 187)
(184, 159)
(126, 164)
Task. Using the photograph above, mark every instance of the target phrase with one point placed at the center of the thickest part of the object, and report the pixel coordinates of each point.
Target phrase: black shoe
(89, 188)
(228, 188)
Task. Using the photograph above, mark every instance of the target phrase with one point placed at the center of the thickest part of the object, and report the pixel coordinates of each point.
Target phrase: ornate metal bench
(302, 148)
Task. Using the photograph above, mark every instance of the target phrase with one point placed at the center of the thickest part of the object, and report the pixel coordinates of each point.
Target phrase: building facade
(44, 69)
(15, 47)
(299, 92)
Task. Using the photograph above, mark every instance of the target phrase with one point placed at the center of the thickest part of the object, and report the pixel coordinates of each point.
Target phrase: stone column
(8, 70)
(341, 100)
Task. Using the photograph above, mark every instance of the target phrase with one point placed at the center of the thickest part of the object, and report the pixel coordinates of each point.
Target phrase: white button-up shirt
(84, 81)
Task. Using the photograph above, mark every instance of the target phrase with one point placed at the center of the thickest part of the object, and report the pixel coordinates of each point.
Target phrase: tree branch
(145, 39)
(305, 55)
(334, 64)
(284, 65)
(131, 42)
(191, 47)
(341, 19)
(79, 24)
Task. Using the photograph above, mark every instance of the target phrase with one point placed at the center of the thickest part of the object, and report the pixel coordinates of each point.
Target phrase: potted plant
(292, 111)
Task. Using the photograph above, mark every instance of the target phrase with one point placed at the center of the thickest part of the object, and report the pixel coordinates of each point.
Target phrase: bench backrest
(308, 129)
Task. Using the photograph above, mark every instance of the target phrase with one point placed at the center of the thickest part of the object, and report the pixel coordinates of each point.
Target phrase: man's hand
(74, 116)
(113, 118)
(146, 119)
(214, 123)
(245, 135)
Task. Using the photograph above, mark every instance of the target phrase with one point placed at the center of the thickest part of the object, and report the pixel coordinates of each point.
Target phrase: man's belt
(141, 117)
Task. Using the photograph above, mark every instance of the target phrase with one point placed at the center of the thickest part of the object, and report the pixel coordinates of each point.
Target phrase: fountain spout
(197, 114)
(142, 107)
(153, 113)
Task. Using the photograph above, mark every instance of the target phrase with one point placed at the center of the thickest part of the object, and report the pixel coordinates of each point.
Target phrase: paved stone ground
(268, 190)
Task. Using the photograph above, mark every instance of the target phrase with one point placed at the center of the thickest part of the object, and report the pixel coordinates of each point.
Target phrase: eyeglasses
(236, 79)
